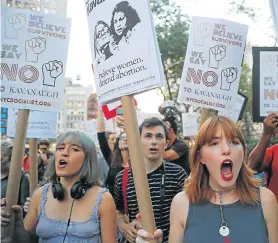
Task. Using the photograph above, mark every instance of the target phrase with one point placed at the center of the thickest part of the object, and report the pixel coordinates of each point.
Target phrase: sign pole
(33, 165)
(137, 163)
(15, 172)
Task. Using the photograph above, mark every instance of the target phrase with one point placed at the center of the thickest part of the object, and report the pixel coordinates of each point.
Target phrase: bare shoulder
(269, 203)
(180, 204)
(107, 203)
(179, 210)
(181, 199)
(267, 196)
(37, 196)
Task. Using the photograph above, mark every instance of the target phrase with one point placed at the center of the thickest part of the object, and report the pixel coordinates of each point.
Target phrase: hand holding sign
(13, 24)
(200, 33)
(216, 54)
(33, 48)
(228, 76)
(51, 71)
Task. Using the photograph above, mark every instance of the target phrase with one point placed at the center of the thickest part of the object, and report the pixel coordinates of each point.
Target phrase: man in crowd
(43, 158)
(266, 159)
(6, 156)
(177, 151)
(165, 181)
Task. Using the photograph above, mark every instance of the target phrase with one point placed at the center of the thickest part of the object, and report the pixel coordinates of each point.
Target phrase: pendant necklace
(224, 229)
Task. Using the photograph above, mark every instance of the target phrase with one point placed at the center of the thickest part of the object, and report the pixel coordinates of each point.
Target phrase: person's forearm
(100, 122)
(256, 157)
(121, 220)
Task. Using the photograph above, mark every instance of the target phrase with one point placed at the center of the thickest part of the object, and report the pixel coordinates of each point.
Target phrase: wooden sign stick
(33, 165)
(138, 165)
(15, 171)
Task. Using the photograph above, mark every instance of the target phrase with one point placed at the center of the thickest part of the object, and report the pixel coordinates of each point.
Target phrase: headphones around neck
(77, 191)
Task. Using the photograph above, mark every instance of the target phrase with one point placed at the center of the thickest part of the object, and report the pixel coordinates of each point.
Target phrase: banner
(237, 110)
(212, 64)
(40, 124)
(33, 59)
(124, 48)
(190, 124)
(265, 82)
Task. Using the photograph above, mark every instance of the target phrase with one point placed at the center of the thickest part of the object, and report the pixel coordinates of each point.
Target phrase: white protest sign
(89, 127)
(212, 65)
(33, 59)
(124, 48)
(190, 124)
(268, 82)
(236, 110)
(141, 116)
(40, 124)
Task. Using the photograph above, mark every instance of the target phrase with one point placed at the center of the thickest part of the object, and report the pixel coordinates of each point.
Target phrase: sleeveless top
(246, 223)
(53, 231)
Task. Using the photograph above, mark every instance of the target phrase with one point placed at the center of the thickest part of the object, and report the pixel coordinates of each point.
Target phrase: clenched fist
(13, 24)
(33, 48)
(51, 71)
(228, 76)
(216, 54)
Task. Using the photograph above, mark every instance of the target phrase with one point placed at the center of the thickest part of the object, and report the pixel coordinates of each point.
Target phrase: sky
(79, 56)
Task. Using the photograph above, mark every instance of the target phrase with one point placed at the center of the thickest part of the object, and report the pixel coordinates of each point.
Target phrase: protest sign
(110, 110)
(212, 64)
(190, 124)
(40, 124)
(124, 63)
(265, 82)
(141, 116)
(89, 127)
(33, 59)
(237, 110)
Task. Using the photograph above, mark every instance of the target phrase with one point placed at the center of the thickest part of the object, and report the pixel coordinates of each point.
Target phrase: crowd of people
(203, 193)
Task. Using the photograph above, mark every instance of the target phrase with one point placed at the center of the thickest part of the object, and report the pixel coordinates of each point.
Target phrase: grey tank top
(246, 223)
(53, 231)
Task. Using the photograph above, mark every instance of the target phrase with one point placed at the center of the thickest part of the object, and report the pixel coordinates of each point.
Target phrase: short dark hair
(44, 142)
(107, 134)
(173, 124)
(153, 122)
(187, 138)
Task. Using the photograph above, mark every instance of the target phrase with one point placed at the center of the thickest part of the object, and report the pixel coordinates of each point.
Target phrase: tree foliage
(172, 33)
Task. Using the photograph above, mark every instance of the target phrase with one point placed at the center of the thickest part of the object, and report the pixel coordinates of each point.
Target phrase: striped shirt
(174, 182)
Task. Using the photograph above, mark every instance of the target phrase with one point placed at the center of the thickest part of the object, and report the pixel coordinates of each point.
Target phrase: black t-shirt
(174, 183)
(182, 150)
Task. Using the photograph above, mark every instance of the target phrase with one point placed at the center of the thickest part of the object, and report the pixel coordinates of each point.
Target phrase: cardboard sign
(265, 82)
(141, 116)
(212, 64)
(89, 127)
(124, 48)
(110, 110)
(40, 124)
(33, 59)
(237, 111)
(190, 124)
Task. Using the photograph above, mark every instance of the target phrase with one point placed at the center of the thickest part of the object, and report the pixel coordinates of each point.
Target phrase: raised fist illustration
(216, 54)
(33, 48)
(51, 71)
(228, 76)
(13, 24)
(201, 31)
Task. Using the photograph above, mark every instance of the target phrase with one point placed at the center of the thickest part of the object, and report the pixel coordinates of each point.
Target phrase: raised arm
(256, 157)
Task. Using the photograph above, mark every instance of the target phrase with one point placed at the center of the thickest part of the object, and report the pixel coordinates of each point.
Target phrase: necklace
(224, 229)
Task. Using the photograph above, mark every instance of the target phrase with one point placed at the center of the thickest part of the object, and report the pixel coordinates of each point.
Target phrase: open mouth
(119, 30)
(153, 150)
(62, 163)
(226, 169)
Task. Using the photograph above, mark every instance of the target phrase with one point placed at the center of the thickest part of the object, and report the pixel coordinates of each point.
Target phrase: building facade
(57, 7)
(92, 107)
(74, 109)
